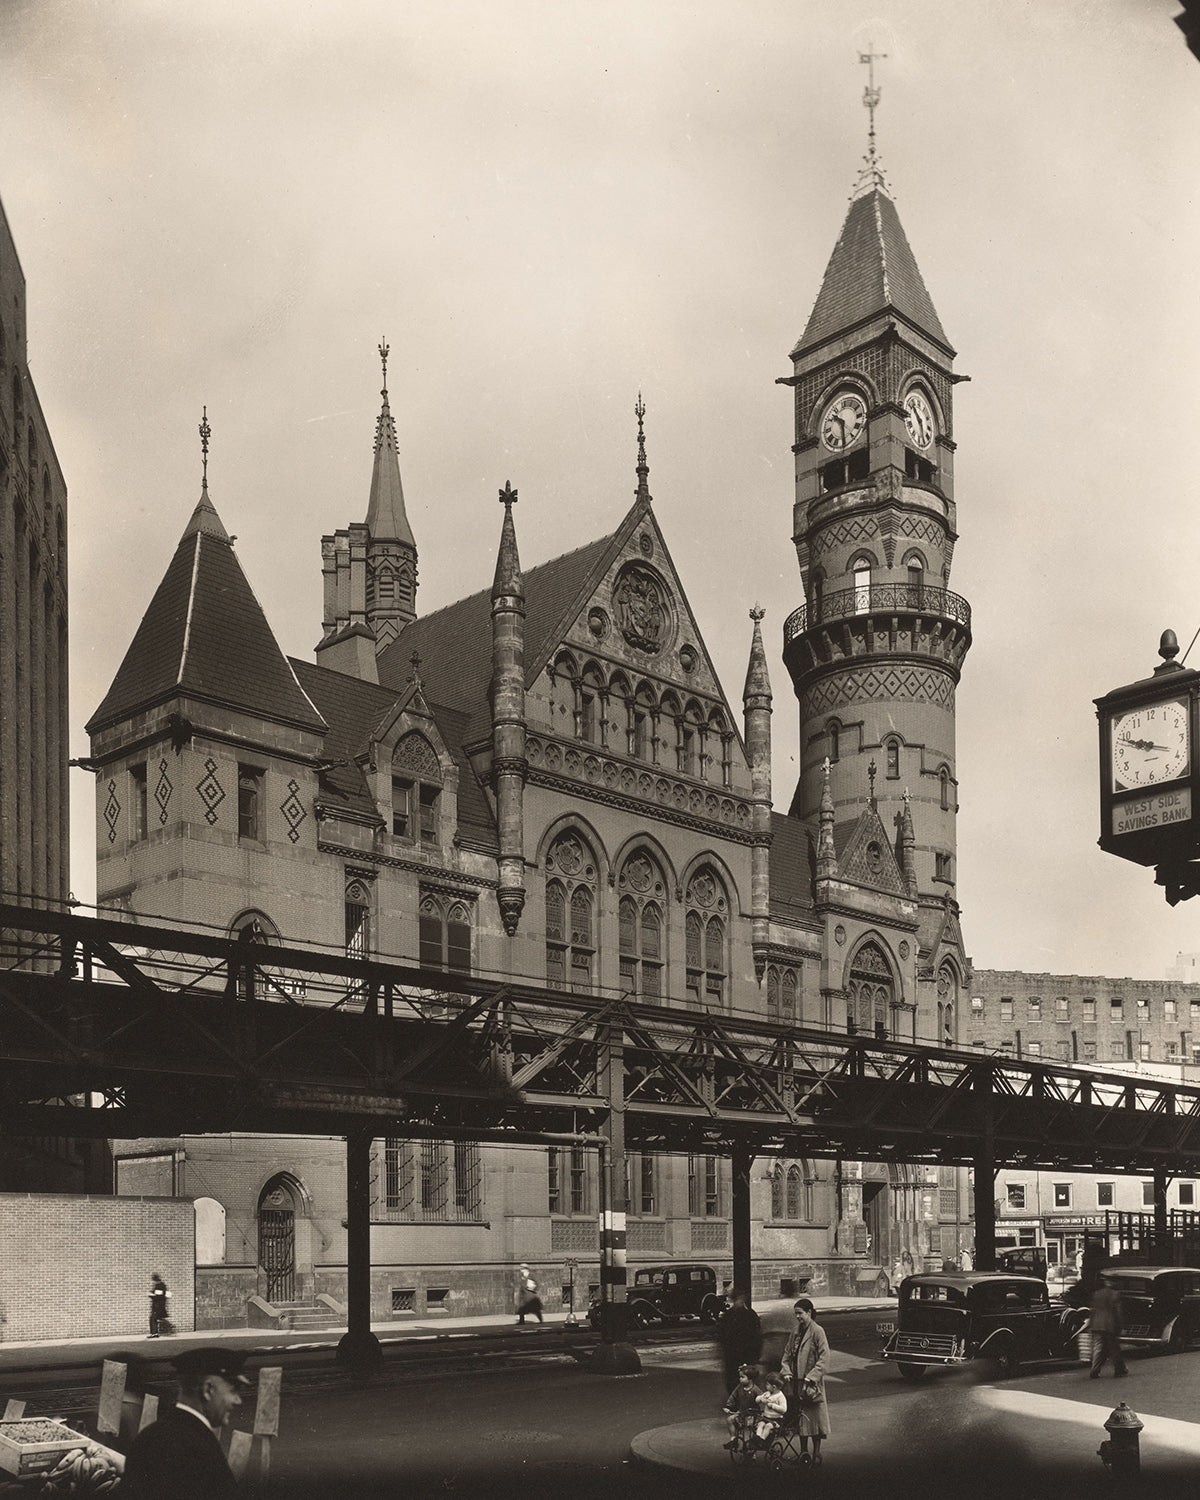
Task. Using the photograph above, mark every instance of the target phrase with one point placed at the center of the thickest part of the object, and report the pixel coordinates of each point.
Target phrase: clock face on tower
(1151, 745)
(844, 421)
(918, 419)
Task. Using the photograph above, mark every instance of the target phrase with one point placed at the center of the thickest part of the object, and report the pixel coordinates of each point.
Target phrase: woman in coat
(806, 1361)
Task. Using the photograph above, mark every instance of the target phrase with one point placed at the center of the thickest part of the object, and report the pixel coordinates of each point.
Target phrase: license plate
(885, 1328)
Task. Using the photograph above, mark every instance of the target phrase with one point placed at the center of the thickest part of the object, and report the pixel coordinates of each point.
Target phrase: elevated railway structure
(124, 1029)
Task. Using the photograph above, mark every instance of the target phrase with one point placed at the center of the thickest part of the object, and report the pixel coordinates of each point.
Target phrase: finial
(205, 434)
(871, 769)
(825, 767)
(415, 674)
(1168, 649)
(871, 172)
(643, 468)
(508, 496)
(384, 351)
(757, 613)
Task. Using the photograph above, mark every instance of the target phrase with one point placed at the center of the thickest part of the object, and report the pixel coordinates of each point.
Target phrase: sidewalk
(775, 1313)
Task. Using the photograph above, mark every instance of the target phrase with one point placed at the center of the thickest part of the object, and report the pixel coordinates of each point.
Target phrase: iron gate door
(277, 1252)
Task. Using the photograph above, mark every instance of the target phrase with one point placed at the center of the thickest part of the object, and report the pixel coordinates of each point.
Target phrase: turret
(756, 704)
(508, 716)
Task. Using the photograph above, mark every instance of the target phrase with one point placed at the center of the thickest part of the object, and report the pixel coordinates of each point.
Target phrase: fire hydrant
(1121, 1453)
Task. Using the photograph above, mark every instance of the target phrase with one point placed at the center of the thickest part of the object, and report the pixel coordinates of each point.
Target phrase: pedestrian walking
(179, 1457)
(529, 1304)
(158, 1305)
(1105, 1327)
(739, 1333)
(805, 1361)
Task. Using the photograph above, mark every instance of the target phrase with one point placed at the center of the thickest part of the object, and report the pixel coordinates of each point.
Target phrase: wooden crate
(35, 1444)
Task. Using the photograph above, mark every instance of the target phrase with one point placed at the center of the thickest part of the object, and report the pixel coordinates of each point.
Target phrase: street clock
(1150, 768)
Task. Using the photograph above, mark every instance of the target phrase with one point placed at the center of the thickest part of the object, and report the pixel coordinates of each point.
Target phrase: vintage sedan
(1160, 1306)
(661, 1294)
(950, 1319)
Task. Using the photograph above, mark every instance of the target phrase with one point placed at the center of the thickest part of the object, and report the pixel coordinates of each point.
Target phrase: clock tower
(876, 649)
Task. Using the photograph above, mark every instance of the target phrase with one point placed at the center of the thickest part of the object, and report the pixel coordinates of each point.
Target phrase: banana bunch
(86, 1470)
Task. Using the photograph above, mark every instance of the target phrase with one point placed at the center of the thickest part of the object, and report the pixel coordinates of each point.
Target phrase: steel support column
(613, 1354)
(359, 1347)
(742, 1161)
(985, 1185)
(1160, 1215)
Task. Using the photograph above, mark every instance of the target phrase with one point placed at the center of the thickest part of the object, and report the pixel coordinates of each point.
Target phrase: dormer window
(416, 791)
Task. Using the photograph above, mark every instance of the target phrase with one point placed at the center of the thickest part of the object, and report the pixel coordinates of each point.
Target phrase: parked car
(951, 1319)
(1160, 1306)
(660, 1294)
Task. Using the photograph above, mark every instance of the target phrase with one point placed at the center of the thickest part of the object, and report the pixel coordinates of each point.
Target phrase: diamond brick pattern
(293, 811)
(112, 811)
(212, 793)
(880, 682)
(162, 792)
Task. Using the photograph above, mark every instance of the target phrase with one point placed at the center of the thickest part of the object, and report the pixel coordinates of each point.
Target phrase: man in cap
(179, 1457)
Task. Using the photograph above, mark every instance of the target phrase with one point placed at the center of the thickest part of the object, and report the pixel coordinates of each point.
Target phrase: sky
(547, 208)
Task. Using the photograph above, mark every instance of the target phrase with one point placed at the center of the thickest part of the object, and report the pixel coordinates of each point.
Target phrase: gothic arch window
(641, 909)
(705, 1195)
(406, 584)
(792, 1191)
(818, 595)
(720, 739)
(570, 913)
(834, 732)
(357, 909)
(18, 399)
(689, 740)
(249, 981)
(944, 788)
(591, 710)
(444, 925)
(891, 754)
(384, 583)
(706, 928)
(871, 992)
(860, 570)
(416, 790)
(915, 566)
(643, 730)
(620, 708)
(32, 448)
(947, 988)
(781, 995)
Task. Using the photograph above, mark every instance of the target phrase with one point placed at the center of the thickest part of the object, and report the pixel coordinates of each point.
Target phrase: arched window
(416, 791)
(916, 582)
(445, 933)
(872, 992)
(944, 788)
(781, 995)
(643, 731)
(18, 399)
(705, 927)
(818, 596)
(210, 1232)
(862, 586)
(642, 893)
(570, 913)
(620, 708)
(892, 757)
(591, 707)
(947, 988)
(358, 919)
(834, 730)
(792, 1203)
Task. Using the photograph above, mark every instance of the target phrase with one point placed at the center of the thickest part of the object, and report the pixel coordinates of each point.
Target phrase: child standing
(741, 1405)
(772, 1407)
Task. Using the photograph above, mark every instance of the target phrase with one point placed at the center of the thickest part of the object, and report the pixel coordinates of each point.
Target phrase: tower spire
(205, 434)
(871, 174)
(643, 468)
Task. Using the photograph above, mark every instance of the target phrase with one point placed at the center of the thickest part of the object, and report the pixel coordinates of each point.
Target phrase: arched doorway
(277, 1238)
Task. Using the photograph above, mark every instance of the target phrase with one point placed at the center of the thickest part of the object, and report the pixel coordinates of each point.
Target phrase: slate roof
(205, 636)
(455, 643)
(872, 270)
(791, 867)
(354, 709)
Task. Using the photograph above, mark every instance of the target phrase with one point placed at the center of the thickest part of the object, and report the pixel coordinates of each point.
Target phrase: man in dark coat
(179, 1457)
(739, 1334)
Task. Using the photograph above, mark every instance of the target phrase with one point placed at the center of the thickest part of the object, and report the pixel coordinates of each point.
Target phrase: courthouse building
(546, 780)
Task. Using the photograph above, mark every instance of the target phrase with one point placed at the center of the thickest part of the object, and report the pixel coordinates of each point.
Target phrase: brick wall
(80, 1266)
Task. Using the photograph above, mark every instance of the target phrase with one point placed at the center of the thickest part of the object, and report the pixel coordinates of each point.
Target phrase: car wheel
(1178, 1342)
(1007, 1363)
(709, 1310)
(912, 1373)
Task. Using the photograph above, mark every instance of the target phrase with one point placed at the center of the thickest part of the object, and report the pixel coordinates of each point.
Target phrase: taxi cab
(663, 1293)
(952, 1318)
(1160, 1306)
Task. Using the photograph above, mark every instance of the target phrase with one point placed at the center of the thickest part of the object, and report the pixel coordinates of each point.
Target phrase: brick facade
(78, 1267)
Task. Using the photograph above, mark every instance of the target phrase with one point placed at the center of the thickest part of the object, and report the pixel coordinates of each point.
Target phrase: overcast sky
(548, 207)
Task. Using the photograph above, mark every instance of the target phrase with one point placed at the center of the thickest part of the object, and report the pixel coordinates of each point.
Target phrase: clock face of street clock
(844, 421)
(1151, 745)
(918, 419)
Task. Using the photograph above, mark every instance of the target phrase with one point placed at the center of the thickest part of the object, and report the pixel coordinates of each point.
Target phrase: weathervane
(871, 174)
(384, 351)
(205, 434)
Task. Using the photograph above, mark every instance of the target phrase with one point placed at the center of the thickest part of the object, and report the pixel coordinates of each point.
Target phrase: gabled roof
(455, 643)
(867, 857)
(872, 270)
(205, 636)
(791, 866)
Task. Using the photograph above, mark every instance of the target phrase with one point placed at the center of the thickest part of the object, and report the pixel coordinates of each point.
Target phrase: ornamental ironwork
(878, 598)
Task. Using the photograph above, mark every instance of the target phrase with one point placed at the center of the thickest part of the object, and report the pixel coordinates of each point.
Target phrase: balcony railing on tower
(878, 598)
